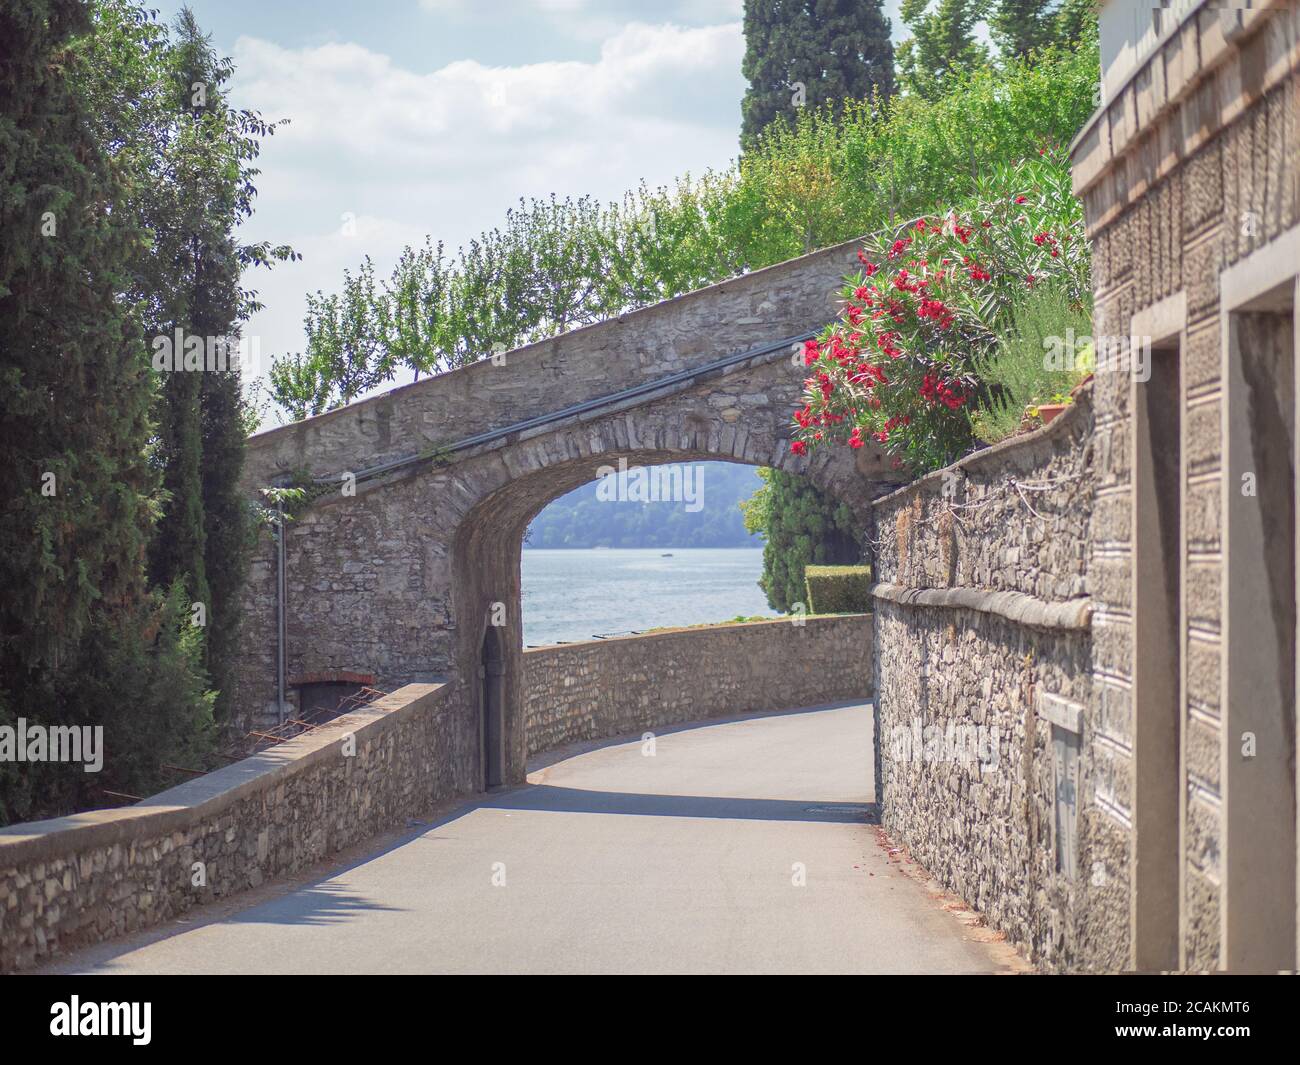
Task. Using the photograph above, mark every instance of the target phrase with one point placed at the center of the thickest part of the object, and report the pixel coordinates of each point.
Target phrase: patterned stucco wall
(1194, 167)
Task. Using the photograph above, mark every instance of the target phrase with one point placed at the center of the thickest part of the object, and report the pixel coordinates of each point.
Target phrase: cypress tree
(196, 263)
(835, 49)
(74, 397)
(226, 140)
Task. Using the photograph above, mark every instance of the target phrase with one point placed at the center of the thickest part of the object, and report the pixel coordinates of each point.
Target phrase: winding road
(734, 846)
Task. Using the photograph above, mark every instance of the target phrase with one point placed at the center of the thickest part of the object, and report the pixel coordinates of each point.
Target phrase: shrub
(1020, 367)
(838, 589)
(801, 526)
(909, 358)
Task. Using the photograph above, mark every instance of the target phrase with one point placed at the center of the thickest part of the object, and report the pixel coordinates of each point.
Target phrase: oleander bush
(914, 353)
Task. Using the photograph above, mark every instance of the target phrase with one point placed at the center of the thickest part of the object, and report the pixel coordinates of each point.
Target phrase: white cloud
(447, 152)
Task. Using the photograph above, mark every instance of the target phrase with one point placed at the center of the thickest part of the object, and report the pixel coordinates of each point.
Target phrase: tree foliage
(118, 198)
(942, 44)
(812, 52)
(800, 526)
(185, 158)
(75, 391)
(1022, 27)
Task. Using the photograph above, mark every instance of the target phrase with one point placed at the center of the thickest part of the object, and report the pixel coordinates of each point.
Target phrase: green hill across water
(705, 511)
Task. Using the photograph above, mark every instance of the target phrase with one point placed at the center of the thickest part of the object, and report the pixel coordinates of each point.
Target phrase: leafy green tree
(942, 43)
(801, 526)
(186, 160)
(667, 241)
(1022, 27)
(801, 52)
(75, 393)
(1076, 23)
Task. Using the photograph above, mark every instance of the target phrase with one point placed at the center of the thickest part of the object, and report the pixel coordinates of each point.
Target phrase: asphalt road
(739, 846)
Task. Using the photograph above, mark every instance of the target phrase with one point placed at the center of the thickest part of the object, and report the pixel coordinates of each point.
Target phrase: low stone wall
(613, 687)
(78, 880)
(983, 672)
(74, 881)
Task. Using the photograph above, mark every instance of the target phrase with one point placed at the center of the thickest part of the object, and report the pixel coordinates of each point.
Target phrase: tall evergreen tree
(942, 41)
(834, 49)
(187, 156)
(75, 391)
(1022, 27)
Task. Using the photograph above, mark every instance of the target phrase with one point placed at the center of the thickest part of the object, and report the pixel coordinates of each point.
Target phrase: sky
(432, 117)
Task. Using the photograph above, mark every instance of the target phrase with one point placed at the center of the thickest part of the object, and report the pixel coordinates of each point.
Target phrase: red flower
(799, 447)
(936, 310)
(1020, 199)
(855, 438)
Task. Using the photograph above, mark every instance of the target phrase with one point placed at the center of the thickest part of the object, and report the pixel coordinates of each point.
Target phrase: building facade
(1189, 172)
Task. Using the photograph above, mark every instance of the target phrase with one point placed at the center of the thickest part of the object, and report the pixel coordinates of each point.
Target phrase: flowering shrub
(910, 355)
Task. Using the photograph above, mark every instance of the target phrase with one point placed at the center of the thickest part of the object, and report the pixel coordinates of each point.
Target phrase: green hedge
(838, 589)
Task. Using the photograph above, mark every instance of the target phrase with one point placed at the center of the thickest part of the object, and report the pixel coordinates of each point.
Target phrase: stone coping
(688, 629)
(197, 800)
(1073, 615)
(1059, 426)
(538, 348)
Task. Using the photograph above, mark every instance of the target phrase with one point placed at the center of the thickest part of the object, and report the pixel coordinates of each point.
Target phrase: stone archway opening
(642, 548)
(486, 565)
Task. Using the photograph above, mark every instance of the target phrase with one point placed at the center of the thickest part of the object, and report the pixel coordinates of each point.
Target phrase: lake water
(578, 593)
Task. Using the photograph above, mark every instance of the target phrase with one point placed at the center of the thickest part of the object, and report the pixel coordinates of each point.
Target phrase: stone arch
(396, 579)
(486, 550)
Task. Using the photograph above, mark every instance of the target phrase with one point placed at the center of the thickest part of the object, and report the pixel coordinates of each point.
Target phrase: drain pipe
(280, 632)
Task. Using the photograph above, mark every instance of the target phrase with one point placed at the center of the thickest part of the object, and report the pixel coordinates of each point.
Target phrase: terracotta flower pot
(1048, 411)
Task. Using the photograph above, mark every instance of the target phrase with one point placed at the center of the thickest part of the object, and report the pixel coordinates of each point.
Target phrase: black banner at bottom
(344, 1013)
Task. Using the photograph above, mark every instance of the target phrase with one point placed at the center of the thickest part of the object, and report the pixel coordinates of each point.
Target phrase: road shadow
(547, 798)
(546, 759)
(321, 903)
(317, 899)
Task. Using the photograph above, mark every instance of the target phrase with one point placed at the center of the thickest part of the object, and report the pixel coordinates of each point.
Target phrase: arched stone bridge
(401, 578)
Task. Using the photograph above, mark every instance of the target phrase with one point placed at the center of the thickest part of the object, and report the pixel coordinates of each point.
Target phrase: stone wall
(1190, 175)
(78, 880)
(983, 660)
(614, 687)
(398, 574)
